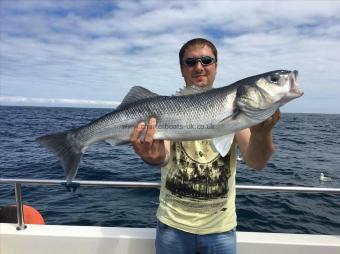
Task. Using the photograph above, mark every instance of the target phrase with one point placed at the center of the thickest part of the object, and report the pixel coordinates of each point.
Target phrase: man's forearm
(155, 160)
(260, 149)
(158, 154)
(256, 143)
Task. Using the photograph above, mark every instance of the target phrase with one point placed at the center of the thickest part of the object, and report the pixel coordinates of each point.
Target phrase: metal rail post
(20, 209)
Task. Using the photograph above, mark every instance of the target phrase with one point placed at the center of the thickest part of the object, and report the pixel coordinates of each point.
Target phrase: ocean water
(306, 145)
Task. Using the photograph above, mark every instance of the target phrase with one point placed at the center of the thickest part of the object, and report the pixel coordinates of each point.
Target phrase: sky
(90, 53)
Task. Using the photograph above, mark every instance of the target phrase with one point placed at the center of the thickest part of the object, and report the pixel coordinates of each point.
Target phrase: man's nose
(198, 66)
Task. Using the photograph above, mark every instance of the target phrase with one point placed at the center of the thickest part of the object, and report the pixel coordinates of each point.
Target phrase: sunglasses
(205, 60)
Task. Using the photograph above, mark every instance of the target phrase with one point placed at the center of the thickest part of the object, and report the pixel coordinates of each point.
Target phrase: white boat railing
(128, 184)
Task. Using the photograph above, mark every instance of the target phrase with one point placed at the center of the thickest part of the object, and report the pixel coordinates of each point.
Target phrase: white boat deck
(53, 239)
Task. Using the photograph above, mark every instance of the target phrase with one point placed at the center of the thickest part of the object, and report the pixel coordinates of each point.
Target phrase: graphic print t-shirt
(198, 188)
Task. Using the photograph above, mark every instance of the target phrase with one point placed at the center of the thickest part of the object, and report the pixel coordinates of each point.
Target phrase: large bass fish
(193, 114)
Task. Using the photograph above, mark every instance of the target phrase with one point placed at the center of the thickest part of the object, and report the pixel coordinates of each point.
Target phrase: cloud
(98, 50)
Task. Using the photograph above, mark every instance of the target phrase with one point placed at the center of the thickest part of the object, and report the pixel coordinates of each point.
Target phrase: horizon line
(81, 103)
(56, 102)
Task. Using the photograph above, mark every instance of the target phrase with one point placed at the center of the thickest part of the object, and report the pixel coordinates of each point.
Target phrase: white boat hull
(56, 239)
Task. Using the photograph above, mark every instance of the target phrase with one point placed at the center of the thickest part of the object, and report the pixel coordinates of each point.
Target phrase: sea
(306, 145)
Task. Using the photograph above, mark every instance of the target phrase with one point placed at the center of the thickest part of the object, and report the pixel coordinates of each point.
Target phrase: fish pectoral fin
(136, 93)
(259, 114)
(230, 117)
(222, 144)
(255, 113)
(115, 142)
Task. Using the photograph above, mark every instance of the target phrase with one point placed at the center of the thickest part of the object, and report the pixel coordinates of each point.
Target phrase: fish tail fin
(67, 148)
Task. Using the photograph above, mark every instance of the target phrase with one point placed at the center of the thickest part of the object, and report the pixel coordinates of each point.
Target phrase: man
(197, 199)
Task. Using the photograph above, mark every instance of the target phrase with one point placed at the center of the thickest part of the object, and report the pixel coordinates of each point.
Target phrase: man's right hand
(150, 150)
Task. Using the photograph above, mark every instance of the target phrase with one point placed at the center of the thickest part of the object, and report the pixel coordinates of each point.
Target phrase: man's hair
(197, 41)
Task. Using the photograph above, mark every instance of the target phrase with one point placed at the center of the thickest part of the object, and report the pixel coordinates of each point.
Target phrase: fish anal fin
(115, 142)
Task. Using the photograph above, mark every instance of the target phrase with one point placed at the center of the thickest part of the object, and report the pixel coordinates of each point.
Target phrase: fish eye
(274, 78)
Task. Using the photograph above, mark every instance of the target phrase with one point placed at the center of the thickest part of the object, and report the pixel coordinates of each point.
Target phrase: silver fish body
(208, 114)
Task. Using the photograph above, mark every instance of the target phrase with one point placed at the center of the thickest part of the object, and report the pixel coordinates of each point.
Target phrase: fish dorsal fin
(136, 93)
(189, 90)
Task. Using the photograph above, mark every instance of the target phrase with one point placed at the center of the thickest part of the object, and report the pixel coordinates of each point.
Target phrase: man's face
(198, 75)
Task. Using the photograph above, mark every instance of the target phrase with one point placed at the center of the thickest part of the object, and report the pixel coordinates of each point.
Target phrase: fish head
(268, 91)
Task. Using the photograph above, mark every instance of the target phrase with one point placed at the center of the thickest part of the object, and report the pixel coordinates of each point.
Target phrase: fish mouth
(295, 91)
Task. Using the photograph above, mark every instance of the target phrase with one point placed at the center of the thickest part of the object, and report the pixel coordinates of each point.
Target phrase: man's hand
(267, 125)
(150, 150)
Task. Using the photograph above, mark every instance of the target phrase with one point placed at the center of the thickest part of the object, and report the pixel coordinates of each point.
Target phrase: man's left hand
(267, 125)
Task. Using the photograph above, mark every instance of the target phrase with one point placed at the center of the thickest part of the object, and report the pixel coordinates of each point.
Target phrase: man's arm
(152, 151)
(256, 143)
